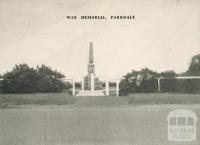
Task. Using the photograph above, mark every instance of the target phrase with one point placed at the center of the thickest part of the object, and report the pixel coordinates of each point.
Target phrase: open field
(164, 98)
(14, 100)
(7, 100)
(61, 125)
(60, 119)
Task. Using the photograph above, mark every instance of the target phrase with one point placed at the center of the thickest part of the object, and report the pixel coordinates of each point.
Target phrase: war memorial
(91, 85)
(91, 82)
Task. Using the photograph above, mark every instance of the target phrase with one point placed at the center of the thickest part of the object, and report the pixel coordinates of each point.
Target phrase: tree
(21, 79)
(192, 85)
(128, 83)
(25, 79)
(169, 83)
(168, 74)
(144, 80)
(45, 70)
(148, 80)
(194, 68)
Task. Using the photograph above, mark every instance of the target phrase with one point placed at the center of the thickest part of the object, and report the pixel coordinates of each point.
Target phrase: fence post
(83, 84)
(117, 88)
(107, 88)
(158, 84)
(73, 89)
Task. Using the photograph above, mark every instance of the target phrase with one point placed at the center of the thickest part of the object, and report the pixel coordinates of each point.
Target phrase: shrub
(24, 79)
(144, 81)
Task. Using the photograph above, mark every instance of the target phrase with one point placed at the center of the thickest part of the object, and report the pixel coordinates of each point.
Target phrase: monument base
(91, 93)
(87, 83)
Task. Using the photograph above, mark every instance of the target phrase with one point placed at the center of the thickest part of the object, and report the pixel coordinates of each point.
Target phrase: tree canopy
(194, 68)
(25, 79)
(144, 80)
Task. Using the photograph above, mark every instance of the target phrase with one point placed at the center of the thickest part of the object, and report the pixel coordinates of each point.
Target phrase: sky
(164, 35)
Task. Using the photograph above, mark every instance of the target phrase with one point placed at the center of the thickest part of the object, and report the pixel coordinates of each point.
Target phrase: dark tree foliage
(183, 85)
(168, 84)
(194, 68)
(168, 74)
(148, 81)
(128, 83)
(144, 81)
(25, 79)
(187, 86)
(192, 85)
(45, 70)
(78, 85)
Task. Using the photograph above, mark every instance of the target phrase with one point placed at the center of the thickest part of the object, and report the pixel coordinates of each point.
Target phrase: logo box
(182, 125)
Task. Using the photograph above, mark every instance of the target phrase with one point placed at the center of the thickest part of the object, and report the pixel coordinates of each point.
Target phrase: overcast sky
(164, 35)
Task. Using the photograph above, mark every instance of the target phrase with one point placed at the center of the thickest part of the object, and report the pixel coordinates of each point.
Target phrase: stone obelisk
(91, 66)
(91, 82)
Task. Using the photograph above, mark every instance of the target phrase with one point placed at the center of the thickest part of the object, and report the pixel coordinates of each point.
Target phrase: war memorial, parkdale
(91, 84)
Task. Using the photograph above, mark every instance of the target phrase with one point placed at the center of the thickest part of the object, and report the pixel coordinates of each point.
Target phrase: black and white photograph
(99, 72)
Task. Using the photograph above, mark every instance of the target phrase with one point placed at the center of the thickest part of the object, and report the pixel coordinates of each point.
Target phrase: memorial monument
(91, 82)
(91, 85)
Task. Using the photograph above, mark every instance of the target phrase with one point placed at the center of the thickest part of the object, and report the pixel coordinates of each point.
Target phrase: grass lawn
(42, 99)
(9, 100)
(164, 98)
(60, 119)
(60, 125)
